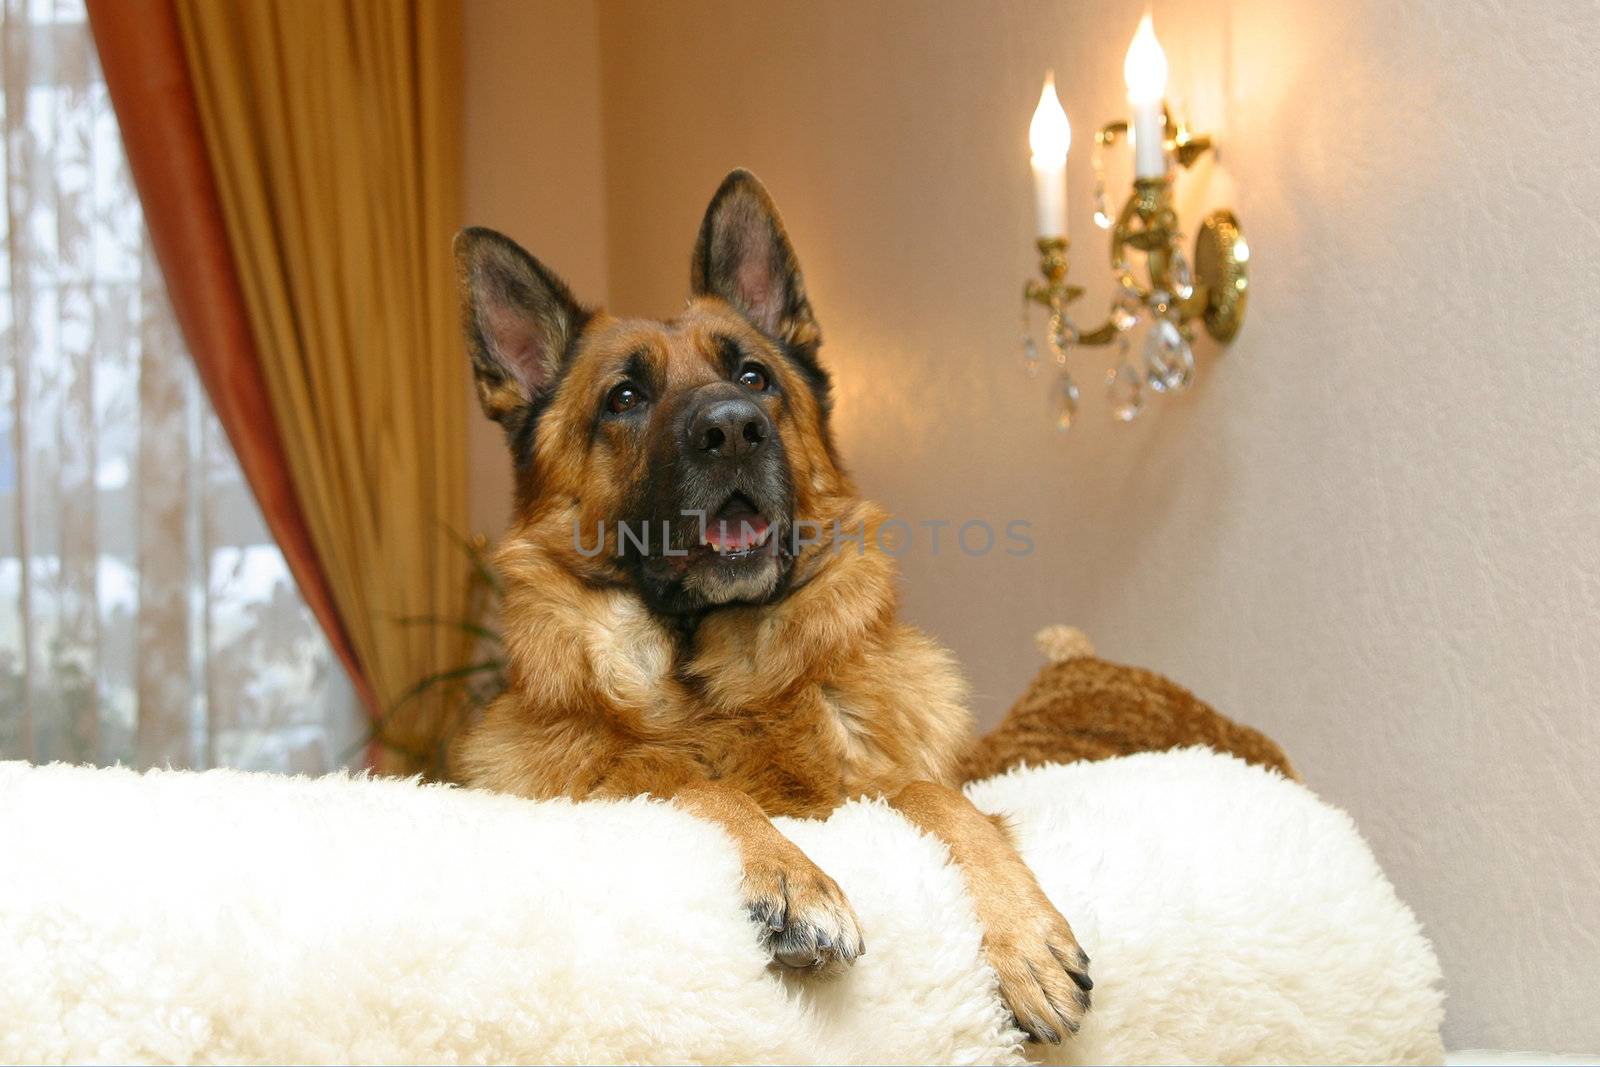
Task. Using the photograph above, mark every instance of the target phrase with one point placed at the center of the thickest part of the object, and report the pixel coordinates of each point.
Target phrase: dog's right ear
(520, 320)
(743, 256)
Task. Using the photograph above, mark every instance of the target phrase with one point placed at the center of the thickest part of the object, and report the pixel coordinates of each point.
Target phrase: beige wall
(533, 171)
(1371, 529)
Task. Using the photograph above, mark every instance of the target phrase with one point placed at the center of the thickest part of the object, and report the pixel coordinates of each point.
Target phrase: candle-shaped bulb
(1145, 68)
(1049, 134)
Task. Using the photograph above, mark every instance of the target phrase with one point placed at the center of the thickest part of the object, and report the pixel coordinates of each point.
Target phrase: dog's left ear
(520, 320)
(744, 257)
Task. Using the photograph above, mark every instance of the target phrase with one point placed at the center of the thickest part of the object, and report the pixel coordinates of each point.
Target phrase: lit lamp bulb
(1145, 71)
(1050, 135)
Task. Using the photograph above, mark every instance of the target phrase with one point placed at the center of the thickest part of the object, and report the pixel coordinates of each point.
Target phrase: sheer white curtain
(145, 615)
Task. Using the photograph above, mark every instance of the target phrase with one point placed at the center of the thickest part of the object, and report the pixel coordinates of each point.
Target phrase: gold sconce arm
(1108, 134)
(1103, 334)
(1214, 289)
(1182, 145)
(1054, 294)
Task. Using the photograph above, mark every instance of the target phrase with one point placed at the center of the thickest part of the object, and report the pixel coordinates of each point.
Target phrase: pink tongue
(735, 533)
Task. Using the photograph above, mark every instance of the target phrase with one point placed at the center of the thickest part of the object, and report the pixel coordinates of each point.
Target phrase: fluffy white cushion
(179, 917)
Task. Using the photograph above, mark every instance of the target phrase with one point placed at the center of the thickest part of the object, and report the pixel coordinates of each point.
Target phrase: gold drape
(333, 129)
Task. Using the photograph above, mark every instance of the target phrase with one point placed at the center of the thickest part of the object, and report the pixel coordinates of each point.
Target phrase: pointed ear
(519, 320)
(744, 257)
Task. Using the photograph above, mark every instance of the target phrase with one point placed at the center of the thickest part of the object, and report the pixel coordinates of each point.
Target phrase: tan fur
(788, 707)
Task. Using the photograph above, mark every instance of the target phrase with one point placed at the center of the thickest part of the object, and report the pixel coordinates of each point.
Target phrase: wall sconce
(1173, 294)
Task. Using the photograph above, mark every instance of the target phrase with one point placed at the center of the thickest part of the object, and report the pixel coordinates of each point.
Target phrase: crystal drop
(1064, 402)
(1180, 274)
(1030, 356)
(1102, 207)
(1183, 364)
(1128, 291)
(1124, 390)
(1063, 335)
(1162, 362)
(1123, 318)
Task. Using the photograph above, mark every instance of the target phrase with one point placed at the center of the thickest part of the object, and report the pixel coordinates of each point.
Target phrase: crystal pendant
(1168, 360)
(1124, 390)
(1063, 335)
(1102, 207)
(1180, 274)
(1185, 367)
(1064, 402)
(1030, 350)
(1102, 210)
(1123, 317)
(1030, 356)
(1128, 291)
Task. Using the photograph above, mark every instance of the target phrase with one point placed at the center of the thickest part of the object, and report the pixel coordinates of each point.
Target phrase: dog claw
(1048, 995)
(767, 915)
(1077, 968)
(1043, 1032)
(804, 920)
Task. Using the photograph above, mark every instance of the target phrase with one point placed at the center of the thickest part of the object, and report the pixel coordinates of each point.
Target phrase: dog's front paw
(806, 922)
(1044, 973)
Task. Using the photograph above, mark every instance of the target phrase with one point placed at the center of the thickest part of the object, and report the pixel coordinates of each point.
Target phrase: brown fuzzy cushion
(1081, 707)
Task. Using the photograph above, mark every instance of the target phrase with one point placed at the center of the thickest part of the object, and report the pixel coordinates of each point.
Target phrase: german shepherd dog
(693, 608)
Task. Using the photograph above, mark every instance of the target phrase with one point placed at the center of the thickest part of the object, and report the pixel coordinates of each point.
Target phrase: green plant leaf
(464, 625)
(480, 565)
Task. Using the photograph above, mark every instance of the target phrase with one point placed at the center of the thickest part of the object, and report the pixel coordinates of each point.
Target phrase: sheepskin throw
(175, 917)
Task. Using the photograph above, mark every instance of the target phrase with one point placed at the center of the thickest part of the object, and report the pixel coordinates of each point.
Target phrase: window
(146, 616)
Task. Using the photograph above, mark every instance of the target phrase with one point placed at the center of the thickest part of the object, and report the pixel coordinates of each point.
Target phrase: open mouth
(736, 530)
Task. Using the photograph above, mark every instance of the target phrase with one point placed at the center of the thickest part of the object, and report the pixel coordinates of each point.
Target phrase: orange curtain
(141, 54)
(330, 134)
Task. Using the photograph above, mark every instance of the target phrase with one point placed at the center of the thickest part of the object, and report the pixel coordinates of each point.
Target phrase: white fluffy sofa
(223, 917)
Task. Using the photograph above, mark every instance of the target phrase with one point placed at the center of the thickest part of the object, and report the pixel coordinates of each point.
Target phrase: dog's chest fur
(797, 709)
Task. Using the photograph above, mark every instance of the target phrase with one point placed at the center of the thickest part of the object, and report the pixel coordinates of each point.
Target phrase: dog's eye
(624, 398)
(753, 378)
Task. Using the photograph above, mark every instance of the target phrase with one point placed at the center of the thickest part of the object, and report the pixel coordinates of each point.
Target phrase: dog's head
(673, 455)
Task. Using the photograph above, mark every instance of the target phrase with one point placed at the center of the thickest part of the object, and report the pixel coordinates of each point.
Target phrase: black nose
(728, 428)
